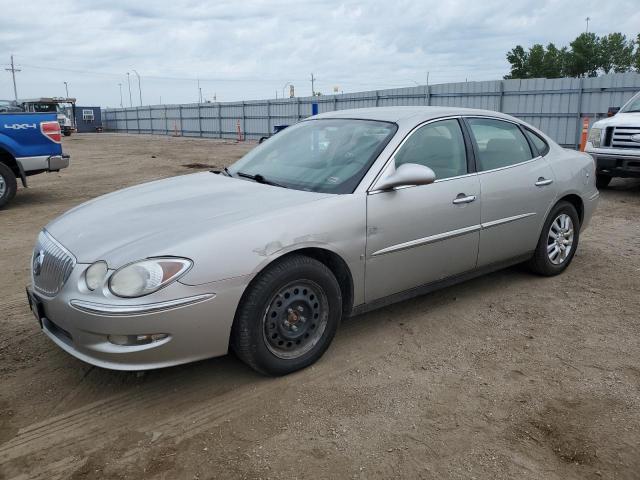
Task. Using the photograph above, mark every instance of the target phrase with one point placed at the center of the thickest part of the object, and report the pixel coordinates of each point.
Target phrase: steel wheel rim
(560, 239)
(295, 319)
(3, 186)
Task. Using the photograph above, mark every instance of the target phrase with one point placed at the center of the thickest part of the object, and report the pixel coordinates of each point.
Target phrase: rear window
(538, 142)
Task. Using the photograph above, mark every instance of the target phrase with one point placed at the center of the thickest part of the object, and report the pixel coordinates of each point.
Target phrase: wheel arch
(9, 160)
(330, 259)
(577, 202)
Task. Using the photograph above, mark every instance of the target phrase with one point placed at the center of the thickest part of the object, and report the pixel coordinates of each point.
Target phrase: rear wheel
(8, 184)
(558, 241)
(288, 317)
(603, 181)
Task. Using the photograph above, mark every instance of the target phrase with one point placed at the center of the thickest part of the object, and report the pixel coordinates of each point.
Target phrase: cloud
(251, 49)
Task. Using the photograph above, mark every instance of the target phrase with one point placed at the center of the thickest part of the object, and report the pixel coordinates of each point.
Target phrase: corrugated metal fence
(556, 106)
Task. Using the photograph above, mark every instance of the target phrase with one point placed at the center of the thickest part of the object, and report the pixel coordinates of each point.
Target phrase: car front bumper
(195, 319)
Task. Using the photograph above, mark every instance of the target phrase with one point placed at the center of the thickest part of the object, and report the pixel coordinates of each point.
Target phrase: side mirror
(407, 174)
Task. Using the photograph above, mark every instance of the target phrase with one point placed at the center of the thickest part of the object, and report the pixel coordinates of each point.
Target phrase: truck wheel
(67, 133)
(8, 185)
(288, 316)
(603, 181)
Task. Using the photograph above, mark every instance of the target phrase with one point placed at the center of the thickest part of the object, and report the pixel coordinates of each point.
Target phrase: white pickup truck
(614, 143)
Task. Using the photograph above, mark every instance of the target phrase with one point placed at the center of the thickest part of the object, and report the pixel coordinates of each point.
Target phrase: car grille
(51, 265)
(622, 137)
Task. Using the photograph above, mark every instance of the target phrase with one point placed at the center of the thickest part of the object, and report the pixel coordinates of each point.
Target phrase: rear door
(517, 189)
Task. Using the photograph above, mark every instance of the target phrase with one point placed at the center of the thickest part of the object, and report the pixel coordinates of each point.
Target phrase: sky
(253, 49)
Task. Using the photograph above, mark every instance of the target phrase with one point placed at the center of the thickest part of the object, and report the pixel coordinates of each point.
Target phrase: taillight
(51, 130)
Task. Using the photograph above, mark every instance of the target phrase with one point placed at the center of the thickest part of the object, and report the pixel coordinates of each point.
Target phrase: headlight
(594, 137)
(147, 276)
(94, 275)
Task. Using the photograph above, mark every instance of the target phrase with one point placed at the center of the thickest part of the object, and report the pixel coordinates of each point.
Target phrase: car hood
(620, 119)
(156, 218)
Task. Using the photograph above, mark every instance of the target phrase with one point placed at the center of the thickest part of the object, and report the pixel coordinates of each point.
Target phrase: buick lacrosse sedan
(339, 214)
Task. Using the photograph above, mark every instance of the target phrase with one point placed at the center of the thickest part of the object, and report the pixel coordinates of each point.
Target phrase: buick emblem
(38, 260)
(635, 138)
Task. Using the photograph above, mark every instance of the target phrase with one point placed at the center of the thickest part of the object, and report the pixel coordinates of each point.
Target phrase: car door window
(439, 146)
(500, 144)
(538, 142)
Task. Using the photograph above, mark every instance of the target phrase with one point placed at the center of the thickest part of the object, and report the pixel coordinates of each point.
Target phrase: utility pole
(120, 85)
(66, 88)
(587, 20)
(139, 86)
(129, 83)
(313, 90)
(199, 92)
(13, 71)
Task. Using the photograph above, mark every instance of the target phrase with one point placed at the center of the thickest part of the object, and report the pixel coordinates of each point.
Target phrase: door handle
(543, 181)
(462, 198)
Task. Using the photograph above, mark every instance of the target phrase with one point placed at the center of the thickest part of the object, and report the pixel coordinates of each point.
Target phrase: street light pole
(139, 86)
(129, 83)
(285, 86)
(66, 88)
(120, 85)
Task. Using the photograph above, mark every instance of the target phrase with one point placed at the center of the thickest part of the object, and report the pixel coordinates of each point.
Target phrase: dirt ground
(506, 376)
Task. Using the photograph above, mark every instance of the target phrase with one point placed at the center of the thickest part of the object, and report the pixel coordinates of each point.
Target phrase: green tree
(584, 56)
(518, 59)
(616, 53)
(554, 61)
(535, 63)
(587, 55)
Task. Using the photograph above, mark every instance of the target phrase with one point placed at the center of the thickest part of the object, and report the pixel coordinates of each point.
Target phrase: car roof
(415, 114)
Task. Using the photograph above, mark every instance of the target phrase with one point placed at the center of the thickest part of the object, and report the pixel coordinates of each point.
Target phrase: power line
(154, 77)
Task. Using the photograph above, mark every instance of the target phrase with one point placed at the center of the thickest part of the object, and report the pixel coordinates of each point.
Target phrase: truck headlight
(147, 276)
(594, 137)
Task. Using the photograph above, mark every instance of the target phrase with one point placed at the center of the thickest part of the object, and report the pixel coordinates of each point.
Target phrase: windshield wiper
(631, 111)
(259, 179)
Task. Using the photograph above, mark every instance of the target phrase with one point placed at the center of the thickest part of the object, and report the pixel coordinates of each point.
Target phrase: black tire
(251, 338)
(8, 179)
(67, 133)
(540, 263)
(603, 181)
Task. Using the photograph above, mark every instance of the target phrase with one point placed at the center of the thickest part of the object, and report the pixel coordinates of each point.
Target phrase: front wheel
(558, 241)
(288, 316)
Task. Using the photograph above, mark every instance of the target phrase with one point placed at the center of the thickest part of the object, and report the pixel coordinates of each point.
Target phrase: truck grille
(51, 265)
(622, 137)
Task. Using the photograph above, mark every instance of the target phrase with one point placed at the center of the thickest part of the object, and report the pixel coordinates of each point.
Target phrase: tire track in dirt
(89, 428)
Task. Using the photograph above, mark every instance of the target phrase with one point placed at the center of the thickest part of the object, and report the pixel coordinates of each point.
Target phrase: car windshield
(632, 105)
(322, 155)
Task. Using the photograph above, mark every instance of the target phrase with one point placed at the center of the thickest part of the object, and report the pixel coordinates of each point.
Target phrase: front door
(420, 234)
